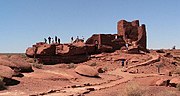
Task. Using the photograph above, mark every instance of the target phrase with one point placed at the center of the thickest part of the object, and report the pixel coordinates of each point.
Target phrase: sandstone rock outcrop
(86, 70)
(162, 82)
(21, 64)
(7, 63)
(16, 64)
(6, 72)
(175, 81)
(130, 38)
(60, 53)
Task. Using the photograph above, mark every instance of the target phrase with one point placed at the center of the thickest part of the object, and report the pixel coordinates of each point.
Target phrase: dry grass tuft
(93, 64)
(71, 65)
(38, 66)
(167, 93)
(2, 84)
(178, 86)
(177, 71)
(134, 90)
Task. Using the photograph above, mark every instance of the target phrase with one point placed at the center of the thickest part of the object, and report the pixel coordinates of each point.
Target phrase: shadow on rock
(10, 82)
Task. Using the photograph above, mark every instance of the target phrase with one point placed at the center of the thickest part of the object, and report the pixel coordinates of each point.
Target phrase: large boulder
(41, 49)
(70, 50)
(7, 63)
(46, 49)
(16, 62)
(162, 82)
(4, 57)
(6, 72)
(86, 70)
(21, 63)
(175, 81)
(30, 51)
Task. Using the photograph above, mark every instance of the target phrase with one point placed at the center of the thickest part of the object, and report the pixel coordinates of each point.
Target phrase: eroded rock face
(60, 53)
(16, 64)
(86, 70)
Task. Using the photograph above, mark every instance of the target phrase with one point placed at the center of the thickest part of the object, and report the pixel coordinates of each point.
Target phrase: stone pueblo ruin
(131, 38)
(116, 64)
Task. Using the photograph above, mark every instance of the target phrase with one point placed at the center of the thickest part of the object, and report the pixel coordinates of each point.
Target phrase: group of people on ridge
(57, 40)
(51, 40)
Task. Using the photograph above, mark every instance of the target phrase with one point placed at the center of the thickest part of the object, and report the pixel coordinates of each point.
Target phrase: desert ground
(138, 77)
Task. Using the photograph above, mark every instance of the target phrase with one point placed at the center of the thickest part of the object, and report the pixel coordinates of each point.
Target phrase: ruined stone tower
(132, 32)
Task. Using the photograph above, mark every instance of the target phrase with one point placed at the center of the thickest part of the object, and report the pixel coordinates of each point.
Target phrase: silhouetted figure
(82, 38)
(59, 40)
(45, 40)
(137, 70)
(174, 47)
(56, 39)
(52, 40)
(72, 39)
(77, 39)
(96, 45)
(49, 38)
(122, 62)
(35, 52)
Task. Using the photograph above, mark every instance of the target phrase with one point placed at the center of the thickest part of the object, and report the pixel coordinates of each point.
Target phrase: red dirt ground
(62, 80)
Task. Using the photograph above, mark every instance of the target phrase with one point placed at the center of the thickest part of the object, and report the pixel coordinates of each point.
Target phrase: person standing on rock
(77, 39)
(49, 38)
(52, 41)
(127, 60)
(59, 41)
(122, 62)
(71, 39)
(83, 38)
(56, 39)
(45, 40)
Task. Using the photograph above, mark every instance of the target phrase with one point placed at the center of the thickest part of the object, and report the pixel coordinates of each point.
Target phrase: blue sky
(25, 22)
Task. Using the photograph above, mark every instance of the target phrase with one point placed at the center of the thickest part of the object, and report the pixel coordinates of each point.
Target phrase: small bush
(178, 86)
(105, 69)
(23, 56)
(36, 65)
(167, 93)
(30, 60)
(2, 84)
(71, 65)
(177, 70)
(93, 64)
(134, 90)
